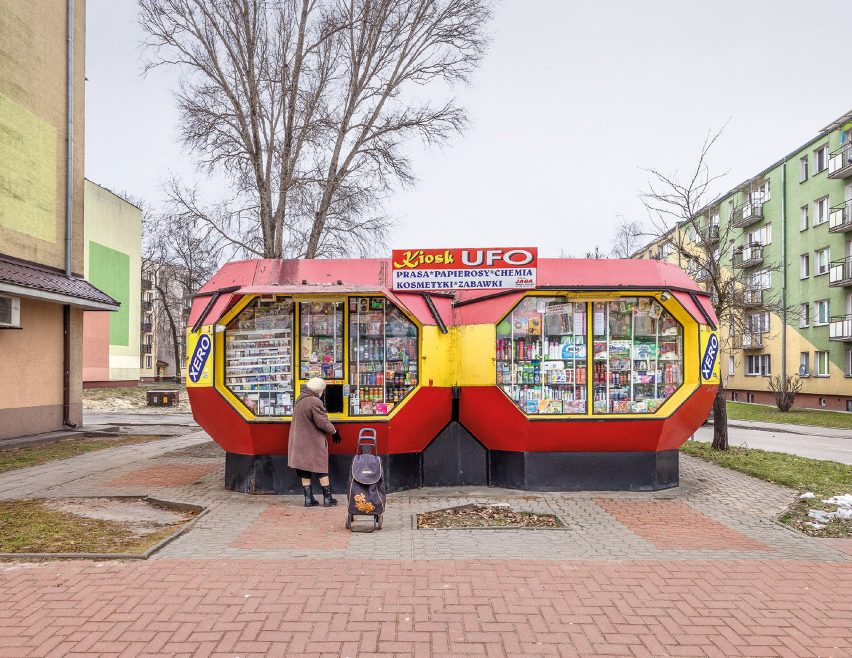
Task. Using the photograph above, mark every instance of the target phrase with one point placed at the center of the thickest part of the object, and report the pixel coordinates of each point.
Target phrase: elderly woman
(308, 449)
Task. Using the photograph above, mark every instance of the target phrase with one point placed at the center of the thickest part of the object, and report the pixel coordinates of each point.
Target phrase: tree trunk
(720, 420)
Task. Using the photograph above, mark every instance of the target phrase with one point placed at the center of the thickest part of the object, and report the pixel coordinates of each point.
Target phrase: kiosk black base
(459, 460)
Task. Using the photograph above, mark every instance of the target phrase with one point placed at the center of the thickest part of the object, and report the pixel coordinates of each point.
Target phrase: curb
(202, 511)
(786, 429)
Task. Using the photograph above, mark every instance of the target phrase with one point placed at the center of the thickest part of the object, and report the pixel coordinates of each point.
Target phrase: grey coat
(308, 444)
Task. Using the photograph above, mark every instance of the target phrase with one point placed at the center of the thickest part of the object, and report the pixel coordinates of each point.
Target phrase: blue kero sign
(199, 357)
(708, 361)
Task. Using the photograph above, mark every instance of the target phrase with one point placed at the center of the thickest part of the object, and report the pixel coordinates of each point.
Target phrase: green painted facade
(109, 270)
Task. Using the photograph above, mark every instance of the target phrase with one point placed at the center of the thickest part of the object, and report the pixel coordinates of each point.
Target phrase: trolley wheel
(349, 520)
(379, 520)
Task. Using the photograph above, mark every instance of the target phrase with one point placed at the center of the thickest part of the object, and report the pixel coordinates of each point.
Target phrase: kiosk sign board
(458, 269)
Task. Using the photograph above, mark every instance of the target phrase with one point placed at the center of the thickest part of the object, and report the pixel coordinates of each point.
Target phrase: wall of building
(786, 184)
(33, 121)
(31, 391)
(113, 263)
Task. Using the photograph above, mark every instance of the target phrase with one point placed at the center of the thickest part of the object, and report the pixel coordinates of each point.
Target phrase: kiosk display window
(637, 356)
(259, 357)
(321, 340)
(382, 356)
(541, 355)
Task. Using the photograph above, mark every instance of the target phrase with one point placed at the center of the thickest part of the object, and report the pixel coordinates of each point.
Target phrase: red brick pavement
(439, 608)
(675, 525)
(165, 475)
(296, 527)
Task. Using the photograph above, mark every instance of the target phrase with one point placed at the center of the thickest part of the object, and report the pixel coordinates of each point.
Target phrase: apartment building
(113, 262)
(789, 230)
(43, 294)
(162, 285)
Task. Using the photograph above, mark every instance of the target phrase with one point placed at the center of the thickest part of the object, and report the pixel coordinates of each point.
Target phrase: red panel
(411, 430)
(504, 427)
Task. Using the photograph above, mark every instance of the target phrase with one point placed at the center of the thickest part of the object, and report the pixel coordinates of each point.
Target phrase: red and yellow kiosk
(568, 375)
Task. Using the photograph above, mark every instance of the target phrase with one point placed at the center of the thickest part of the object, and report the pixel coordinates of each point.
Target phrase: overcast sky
(571, 100)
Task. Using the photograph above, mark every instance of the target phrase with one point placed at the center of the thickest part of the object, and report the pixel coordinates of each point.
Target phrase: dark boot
(327, 501)
(310, 501)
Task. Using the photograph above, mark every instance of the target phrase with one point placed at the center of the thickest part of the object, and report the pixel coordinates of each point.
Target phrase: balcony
(751, 297)
(840, 328)
(840, 162)
(747, 214)
(750, 341)
(749, 256)
(145, 349)
(146, 284)
(147, 305)
(840, 273)
(147, 327)
(840, 218)
(709, 235)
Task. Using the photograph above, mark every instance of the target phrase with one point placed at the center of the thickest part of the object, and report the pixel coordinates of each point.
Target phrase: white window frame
(731, 367)
(849, 363)
(821, 358)
(805, 360)
(821, 267)
(758, 365)
(821, 204)
(803, 168)
(804, 266)
(803, 219)
(821, 151)
(819, 304)
(804, 315)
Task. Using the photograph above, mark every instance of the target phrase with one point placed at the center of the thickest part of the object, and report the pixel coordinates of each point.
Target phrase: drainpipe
(784, 271)
(69, 214)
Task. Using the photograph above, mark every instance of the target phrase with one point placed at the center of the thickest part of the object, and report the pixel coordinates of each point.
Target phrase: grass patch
(768, 414)
(25, 456)
(27, 526)
(485, 516)
(823, 478)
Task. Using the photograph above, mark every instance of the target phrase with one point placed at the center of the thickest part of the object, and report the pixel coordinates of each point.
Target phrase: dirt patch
(486, 516)
(207, 450)
(80, 525)
(132, 399)
(139, 516)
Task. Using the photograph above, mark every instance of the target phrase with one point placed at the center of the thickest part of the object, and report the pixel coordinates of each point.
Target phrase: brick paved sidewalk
(701, 570)
(426, 608)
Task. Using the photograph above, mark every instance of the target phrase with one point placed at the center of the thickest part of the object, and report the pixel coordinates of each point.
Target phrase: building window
(148, 362)
(667, 249)
(822, 402)
(804, 364)
(821, 316)
(763, 235)
(758, 364)
(757, 323)
(804, 266)
(803, 222)
(821, 362)
(820, 211)
(803, 169)
(821, 158)
(804, 315)
(734, 396)
(731, 369)
(822, 258)
(848, 362)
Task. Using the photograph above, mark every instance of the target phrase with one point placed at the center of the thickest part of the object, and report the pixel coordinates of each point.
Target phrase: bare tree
(304, 107)
(179, 256)
(597, 254)
(685, 222)
(628, 238)
(784, 390)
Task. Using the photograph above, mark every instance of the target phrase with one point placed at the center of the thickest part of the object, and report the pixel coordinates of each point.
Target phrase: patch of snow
(807, 495)
(841, 501)
(820, 516)
(815, 526)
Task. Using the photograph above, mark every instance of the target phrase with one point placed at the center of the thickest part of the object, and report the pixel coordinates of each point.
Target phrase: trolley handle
(367, 439)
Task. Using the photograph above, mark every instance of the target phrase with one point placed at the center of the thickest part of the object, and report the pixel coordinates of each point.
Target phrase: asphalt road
(814, 445)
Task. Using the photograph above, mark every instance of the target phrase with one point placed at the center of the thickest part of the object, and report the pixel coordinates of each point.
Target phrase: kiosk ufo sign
(474, 366)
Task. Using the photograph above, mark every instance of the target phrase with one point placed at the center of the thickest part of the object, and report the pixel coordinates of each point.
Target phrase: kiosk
(588, 379)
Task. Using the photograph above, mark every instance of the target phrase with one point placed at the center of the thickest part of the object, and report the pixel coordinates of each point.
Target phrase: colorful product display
(259, 357)
(382, 356)
(321, 340)
(541, 356)
(637, 356)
